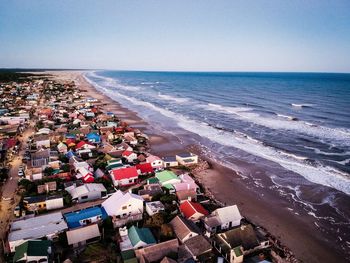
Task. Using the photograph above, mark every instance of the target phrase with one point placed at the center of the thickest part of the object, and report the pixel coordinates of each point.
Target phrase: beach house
(42, 202)
(236, 243)
(141, 237)
(124, 176)
(85, 174)
(170, 161)
(83, 235)
(167, 179)
(124, 208)
(93, 138)
(222, 218)
(144, 168)
(85, 217)
(157, 252)
(49, 226)
(153, 208)
(187, 158)
(193, 211)
(129, 156)
(155, 161)
(85, 192)
(33, 251)
(183, 228)
(199, 248)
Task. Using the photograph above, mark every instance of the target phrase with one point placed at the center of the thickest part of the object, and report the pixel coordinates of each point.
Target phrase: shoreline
(227, 187)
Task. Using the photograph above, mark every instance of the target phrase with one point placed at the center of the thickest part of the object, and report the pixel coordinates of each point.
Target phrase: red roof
(189, 208)
(69, 141)
(125, 173)
(81, 144)
(89, 178)
(119, 129)
(127, 153)
(144, 168)
(11, 142)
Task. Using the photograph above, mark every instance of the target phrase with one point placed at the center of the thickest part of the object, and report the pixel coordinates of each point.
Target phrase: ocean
(295, 126)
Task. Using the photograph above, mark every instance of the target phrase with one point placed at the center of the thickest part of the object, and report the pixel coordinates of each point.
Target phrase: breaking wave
(316, 173)
(341, 136)
(172, 98)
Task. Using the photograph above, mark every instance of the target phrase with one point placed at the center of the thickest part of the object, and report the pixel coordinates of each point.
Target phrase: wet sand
(262, 207)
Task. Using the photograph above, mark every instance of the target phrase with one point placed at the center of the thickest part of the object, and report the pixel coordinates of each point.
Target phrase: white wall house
(124, 207)
(86, 192)
(223, 218)
(187, 158)
(153, 208)
(155, 161)
(48, 226)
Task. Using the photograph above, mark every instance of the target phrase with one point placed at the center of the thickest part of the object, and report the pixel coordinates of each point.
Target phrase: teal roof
(169, 186)
(140, 234)
(129, 256)
(114, 165)
(32, 248)
(165, 176)
(153, 180)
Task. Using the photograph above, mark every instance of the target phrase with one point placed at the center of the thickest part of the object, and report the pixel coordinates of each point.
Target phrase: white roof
(82, 234)
(155, 206)
(228, 214)
(117, 200)
(185, 178)
(84, 189)
(37, 227)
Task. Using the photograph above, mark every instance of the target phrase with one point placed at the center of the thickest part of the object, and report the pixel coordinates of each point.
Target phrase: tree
(67, 199)
(65, 168)
(48, 171)
(168, 199)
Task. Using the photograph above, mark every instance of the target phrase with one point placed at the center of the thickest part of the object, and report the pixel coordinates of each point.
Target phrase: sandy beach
(265, 208)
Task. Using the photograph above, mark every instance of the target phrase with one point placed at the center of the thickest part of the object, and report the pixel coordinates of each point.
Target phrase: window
(124, 207)
(84, 197)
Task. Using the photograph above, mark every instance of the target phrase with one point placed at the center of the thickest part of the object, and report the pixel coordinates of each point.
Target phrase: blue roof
(73, 219)
(92, 135)
(70, 136)
(70, 154)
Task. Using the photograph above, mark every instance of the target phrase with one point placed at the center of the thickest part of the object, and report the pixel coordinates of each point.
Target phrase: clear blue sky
(176, 35)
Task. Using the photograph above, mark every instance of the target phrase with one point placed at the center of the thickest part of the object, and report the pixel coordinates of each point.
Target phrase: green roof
(75, 132)
(114, 165)
(169, 186)
(237, 251)
(129, 256)
(153, 180)
(165, 176)
(32, 248)
(140, 234)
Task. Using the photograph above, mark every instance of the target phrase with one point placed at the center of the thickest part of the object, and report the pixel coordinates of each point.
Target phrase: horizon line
(175, 71)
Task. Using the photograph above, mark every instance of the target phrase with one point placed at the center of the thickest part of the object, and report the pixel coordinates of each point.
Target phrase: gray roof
(198, 245)
(242, 236)
(169, 159)
(185, 154)
(183, 227)
(37, 227)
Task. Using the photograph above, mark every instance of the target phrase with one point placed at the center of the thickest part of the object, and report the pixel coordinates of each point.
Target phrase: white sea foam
(291, 118)
(301, 105)
(113, 83)
(323, 175)
(172, 98)
(318, 151)
(340, 136)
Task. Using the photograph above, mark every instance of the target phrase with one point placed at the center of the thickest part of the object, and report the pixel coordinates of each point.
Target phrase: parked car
(20, 173)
